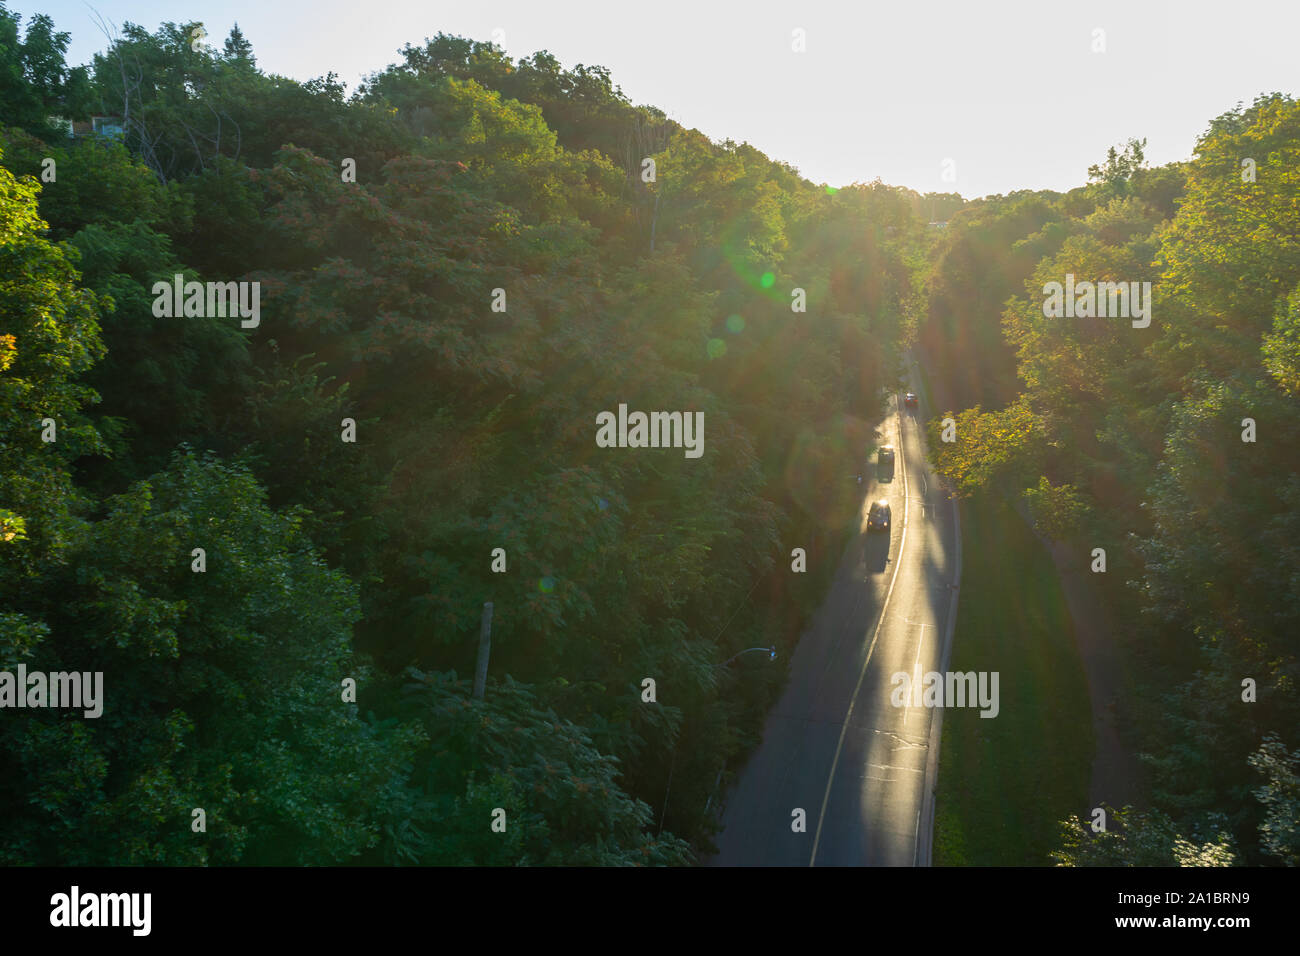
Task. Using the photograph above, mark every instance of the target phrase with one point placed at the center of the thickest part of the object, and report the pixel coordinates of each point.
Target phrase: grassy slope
(1004, 782)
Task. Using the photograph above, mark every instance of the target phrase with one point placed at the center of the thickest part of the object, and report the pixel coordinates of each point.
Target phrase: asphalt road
(835, 746)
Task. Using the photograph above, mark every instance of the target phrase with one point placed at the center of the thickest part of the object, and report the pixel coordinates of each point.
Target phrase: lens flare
(747, 262)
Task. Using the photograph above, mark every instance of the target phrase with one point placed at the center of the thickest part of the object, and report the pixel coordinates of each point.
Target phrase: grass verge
(1005, 782)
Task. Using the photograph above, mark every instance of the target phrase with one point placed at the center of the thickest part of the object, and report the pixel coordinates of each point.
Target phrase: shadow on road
(875, 552)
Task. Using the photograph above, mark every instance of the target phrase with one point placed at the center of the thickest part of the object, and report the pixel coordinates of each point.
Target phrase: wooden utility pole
(653, 222)
(484, 649)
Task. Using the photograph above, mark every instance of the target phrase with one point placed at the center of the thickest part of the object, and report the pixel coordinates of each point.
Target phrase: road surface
(835, 746)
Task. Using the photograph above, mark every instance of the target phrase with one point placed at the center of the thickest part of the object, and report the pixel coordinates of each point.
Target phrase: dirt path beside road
(1117, 775)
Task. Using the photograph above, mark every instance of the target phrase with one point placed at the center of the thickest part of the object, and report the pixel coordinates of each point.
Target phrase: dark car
(886, 455)
(910, 400)
(878, 517)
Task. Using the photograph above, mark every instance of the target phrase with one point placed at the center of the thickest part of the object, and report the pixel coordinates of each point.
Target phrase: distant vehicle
(886, 455)
(910, 400)
(878, 517)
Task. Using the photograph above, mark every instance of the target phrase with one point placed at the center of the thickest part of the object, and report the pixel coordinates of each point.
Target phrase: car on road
(910, 400)
(878, 516)
(886, 455)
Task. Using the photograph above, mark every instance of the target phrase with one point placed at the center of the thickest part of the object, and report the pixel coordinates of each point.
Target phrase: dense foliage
(461, 264)
(1136, 440)
(380, 227)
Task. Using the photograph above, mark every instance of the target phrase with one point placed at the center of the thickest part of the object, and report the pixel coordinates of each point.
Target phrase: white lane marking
(889, 766)
(848, 715)
(916, 671)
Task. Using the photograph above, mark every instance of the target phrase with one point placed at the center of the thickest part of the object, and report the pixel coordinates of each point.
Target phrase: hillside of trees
(380, 225)
(1172, 447)
(464, 261)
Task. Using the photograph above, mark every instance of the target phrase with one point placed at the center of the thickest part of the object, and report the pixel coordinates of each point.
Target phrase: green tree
(1281, 347)
(1144, 838)
(1120, 167)
(222, 690)
(989, 448)
(49, 335)
(561, 797)
(1280, 830)
(36, 85)
(1057, 510)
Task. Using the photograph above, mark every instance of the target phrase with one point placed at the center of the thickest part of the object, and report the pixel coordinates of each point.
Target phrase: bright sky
(1009, 90)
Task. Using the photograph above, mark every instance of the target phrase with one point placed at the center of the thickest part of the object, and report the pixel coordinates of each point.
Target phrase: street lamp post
(770, 650)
